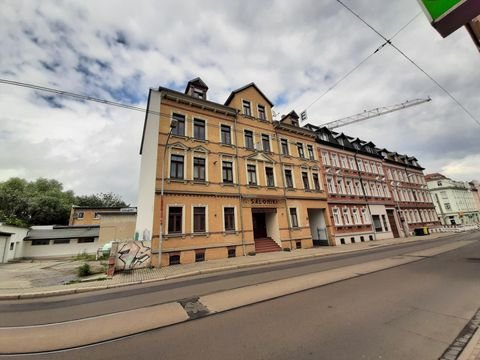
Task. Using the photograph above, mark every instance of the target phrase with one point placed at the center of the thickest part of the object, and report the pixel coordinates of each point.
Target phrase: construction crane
(368, 114)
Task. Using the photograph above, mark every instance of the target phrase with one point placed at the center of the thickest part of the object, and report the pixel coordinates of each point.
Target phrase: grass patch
(84, 270)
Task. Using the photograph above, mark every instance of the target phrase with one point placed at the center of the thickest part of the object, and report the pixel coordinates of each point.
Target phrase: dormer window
(198, 94)
(368, 149)
(341, 142)
(295, 122)
(324, 136)
(356, 146)
(247, 109)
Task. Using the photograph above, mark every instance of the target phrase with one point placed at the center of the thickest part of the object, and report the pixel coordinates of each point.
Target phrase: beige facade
(116, 226)
(227, 185)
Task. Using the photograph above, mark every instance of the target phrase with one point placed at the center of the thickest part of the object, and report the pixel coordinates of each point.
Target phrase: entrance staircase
(264, 245)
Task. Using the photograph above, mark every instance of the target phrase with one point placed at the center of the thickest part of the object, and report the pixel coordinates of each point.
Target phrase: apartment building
(363, 198)
(224, 180)
(454, 201)
(409, 190)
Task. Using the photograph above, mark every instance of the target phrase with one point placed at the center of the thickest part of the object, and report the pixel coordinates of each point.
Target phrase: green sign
(437, 8)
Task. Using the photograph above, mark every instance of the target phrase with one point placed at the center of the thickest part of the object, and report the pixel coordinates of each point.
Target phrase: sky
(293, 50)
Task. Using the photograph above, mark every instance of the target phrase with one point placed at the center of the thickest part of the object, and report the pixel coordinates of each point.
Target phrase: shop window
(174, 259)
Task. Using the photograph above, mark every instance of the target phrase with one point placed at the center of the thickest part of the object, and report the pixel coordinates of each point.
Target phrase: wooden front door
(259, 225)
(393, 223)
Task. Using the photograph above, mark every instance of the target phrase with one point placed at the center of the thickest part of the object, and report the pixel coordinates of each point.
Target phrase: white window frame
(232, 137)
(291, 168)
(349, 217)
(203, 155)
(338, 221)
(326, 158)
(231, 159)
(334, 159)
(331, 181)
(193, 128)
(299, 225)
(257, 178)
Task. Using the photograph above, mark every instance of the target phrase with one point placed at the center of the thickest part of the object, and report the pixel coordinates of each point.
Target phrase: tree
(44, 202)
(40, 202)
(101, 200)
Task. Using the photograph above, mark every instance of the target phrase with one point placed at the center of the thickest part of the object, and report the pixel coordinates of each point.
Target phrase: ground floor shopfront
(206, 227)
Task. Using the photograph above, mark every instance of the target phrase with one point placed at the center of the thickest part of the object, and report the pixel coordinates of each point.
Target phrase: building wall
(12, 246)
(148, 168)
(51, 250)
(214, 194)
(119, 227)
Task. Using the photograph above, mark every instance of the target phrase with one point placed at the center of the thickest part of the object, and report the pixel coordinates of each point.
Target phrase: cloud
(292, 51)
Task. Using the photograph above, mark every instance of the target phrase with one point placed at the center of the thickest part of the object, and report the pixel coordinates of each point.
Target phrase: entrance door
(259, 225)
(393, 223)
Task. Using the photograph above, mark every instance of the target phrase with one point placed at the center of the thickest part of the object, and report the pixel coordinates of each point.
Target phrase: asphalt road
(412, 311)
(70, 307)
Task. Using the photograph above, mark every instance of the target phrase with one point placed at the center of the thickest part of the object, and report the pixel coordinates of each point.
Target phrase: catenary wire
(413, 62)
(387, 41)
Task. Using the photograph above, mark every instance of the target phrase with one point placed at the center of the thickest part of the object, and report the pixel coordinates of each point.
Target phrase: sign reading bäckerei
(260, 202)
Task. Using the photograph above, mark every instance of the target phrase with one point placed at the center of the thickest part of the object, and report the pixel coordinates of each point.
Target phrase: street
(413, 311)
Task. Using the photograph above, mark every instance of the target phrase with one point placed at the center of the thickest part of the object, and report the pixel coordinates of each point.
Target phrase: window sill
(198, 234)
(254, 186)
(296, 228)
(228, 145)
(230, 232)
(177, 181)
(201, 140)
(290, 189)
(228, 184)
(200, 182)
(179, 136)
(271, 188)
(170, 236)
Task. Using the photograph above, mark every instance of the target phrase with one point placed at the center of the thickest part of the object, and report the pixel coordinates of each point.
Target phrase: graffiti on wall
(133, 255)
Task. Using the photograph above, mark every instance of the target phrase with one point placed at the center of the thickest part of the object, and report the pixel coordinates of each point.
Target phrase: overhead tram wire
(413, 62)
(363, 61)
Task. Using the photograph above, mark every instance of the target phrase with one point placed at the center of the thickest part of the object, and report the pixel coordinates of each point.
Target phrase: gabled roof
(197, 82)
(252, 84)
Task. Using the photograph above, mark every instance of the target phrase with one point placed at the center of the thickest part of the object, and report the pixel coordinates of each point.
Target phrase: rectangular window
(356, 219)
(343, 160)
(288, 178)
(226, 134)
(269, 176)
(266, 142)
(247, 110)
(306, 184)
(176, 167)
(261, 112)
(331, 186)
(376, 223)
(348, 186)
(336, 217)
(248, 139)
(227, 172)
(86, 240)
(229, 218)
(199, 219)
(346, 216)
(61, 241)
(199, 169)
(300, 150)
(199, 256)
(365, 218)
(179, 129)
(80, 215)
(284, 143)
(40, 242)
(374, 168)
(351, 160)
(340, 188)
(311, 155)
(334, 160)
(316, 183)
(252, 174)
(367, 167)
(325, 158)
(175, 214)
(199, 129)
(358, 189)
(293, 217)
(360, 165)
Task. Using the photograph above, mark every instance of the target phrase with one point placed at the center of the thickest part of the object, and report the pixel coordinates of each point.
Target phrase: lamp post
(173, 125)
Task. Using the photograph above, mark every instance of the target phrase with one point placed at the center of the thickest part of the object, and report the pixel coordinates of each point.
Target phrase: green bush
(85, 256)
(84, 270)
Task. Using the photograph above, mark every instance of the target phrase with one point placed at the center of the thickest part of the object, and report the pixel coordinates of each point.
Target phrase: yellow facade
(250, 142)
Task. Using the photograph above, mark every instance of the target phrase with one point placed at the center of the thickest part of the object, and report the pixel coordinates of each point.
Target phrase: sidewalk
(142, 276)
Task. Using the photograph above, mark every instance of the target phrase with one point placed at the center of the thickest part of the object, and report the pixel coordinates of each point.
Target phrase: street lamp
(173, 125)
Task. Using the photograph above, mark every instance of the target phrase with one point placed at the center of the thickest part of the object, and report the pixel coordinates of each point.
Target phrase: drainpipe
(284, 188)
(240, 198)
(365, 196)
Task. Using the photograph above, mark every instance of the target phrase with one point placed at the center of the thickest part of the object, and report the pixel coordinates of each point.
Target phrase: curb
(43, 294)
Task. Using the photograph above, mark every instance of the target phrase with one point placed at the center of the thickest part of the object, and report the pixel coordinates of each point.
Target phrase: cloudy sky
(293, 50)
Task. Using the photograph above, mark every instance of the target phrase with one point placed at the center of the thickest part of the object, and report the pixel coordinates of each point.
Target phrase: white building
(454, 201)
(11, 242)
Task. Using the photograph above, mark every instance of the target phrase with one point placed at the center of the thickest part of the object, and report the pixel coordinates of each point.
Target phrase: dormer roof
(196, 83)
